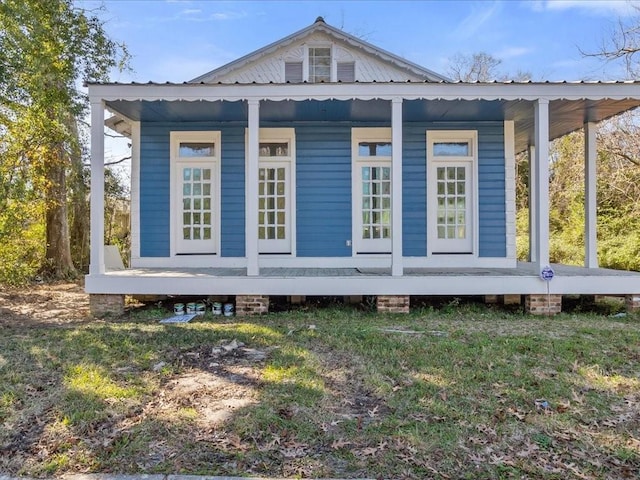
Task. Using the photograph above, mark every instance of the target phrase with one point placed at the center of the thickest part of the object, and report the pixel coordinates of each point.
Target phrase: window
(276, 170)
(371, 150)
(451, 204)
(195, 192)
(319, 64)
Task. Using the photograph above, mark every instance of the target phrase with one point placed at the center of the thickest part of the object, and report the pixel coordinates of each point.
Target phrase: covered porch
(532, 115)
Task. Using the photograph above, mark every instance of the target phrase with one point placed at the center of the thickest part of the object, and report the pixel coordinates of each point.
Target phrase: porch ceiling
(565, 116)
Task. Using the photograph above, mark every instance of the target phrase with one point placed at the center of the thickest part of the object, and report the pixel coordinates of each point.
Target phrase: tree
(477, 67)
(47, 48)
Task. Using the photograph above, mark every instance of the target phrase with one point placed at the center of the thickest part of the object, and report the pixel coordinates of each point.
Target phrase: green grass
(341, 394)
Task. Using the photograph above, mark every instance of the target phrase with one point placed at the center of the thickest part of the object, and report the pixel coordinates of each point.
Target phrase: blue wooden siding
(323, 191)
(155, 187)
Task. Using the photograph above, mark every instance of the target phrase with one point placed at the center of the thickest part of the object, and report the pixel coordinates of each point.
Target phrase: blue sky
(176, 40)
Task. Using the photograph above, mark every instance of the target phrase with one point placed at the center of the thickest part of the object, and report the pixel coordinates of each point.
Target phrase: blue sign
(547, 274)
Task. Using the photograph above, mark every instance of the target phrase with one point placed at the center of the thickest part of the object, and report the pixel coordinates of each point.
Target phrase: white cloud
(622, 8)
(481, 12)
(191, 11)
(512, 52)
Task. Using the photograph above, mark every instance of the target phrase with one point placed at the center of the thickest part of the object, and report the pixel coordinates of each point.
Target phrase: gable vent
(293, 72)
(346, 72)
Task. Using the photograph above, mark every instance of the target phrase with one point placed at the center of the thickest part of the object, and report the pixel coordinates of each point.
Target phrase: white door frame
(470, 162)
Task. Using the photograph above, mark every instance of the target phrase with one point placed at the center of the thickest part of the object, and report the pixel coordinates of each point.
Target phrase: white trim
(590, 196)
(396, 187)
(471, 161)
(96, 265)
(282, 135)
(361, 261)
(541, 135)
(367, 91)
(361, 246)
(510, 186)
(175, 138)
(197, 283)
(135, 191)
(251, 188)
(533, 205)
(190, 261)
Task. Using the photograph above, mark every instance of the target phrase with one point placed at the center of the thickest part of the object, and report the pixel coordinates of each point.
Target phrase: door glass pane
(451, 200)
(197, 203)
(376, 202)
(272, 202)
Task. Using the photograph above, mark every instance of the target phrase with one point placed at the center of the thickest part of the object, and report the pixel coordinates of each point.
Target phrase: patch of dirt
(217, 380)
(41, 305)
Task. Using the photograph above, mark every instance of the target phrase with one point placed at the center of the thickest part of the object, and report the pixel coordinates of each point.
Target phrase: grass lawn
(460, 391)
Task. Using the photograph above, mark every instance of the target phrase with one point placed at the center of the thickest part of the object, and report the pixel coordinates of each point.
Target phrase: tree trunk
(58, 263)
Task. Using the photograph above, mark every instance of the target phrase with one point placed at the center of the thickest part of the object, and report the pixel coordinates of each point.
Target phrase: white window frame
(276, 135)
(359, 245)
(438, 136)
(305, 61)
(175, 139)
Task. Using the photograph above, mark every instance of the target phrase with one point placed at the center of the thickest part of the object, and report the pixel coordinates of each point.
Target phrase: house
(323, 165)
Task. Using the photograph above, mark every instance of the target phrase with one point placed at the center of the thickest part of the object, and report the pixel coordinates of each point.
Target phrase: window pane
(196, 149)
(281, 233)
(197, 203)
(186, 204)
(207, 233)
(274, 149)
(451, 149)
(196, 174)
(374, 149)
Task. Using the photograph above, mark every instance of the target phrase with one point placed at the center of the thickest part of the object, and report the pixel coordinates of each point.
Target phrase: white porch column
(251, 190)
(541, 135)
(96, 265)
(533, 205)
(590, 201)
(396, 187)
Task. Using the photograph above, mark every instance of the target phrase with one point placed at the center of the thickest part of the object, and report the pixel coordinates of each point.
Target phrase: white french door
(454, 215)
(374, 207)
(274, 226)
(197, 218)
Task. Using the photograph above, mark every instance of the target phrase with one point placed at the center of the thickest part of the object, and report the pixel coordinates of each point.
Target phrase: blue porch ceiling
(310, 110)
(565, 116)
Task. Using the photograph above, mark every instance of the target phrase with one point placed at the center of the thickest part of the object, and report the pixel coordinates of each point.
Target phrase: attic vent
(293, 72)
(346, 72)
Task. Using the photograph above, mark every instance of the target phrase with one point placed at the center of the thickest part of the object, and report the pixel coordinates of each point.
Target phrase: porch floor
(523, 279)
(524, 269)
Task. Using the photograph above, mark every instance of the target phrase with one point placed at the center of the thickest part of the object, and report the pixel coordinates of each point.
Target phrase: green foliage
(46, 49)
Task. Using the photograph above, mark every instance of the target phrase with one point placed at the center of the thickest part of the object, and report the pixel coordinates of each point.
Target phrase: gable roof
(321, 26)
